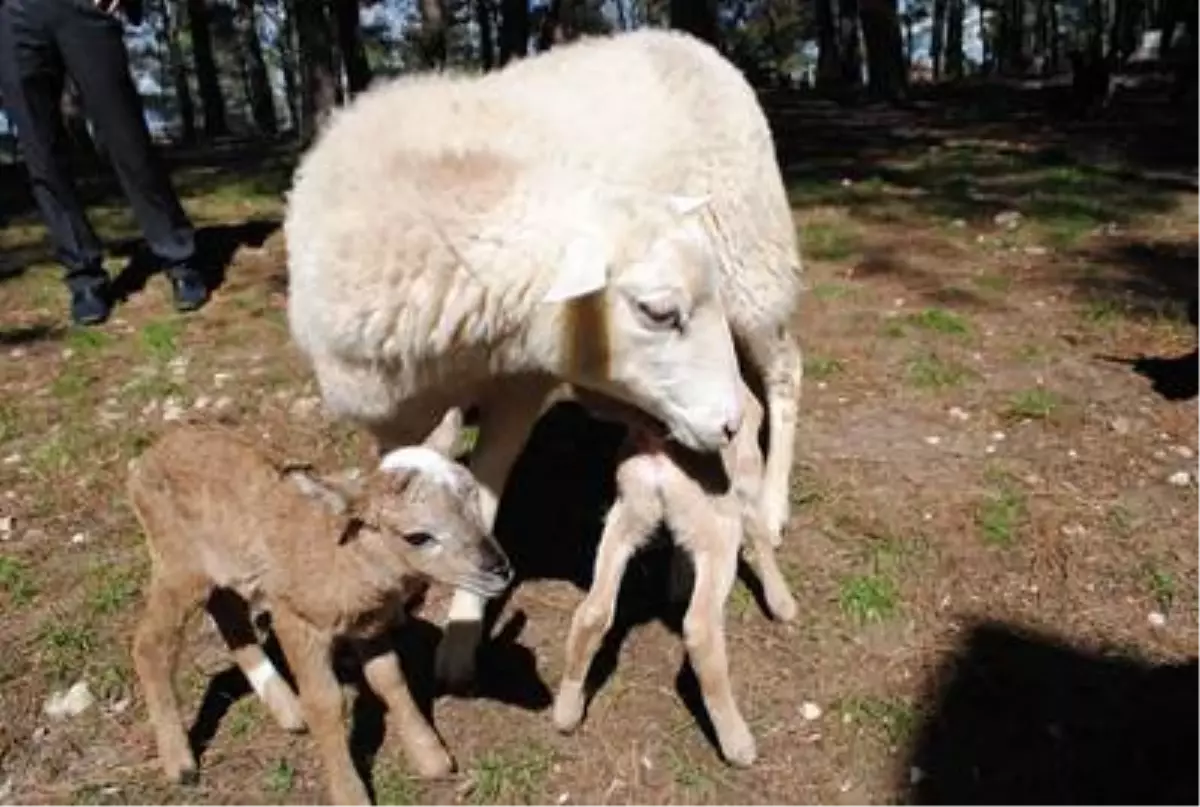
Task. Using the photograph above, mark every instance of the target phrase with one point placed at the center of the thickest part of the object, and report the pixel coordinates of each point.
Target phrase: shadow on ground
(1019, 717)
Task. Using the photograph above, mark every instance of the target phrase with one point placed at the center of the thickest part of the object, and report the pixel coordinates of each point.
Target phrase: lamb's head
(426, 506)
(642, 319)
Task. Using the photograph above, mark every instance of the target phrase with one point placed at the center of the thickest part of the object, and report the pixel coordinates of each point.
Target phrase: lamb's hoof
(568, 708)
(433, 764)
(783, 606)
(454, 663)
(187, 775)
(739, 749)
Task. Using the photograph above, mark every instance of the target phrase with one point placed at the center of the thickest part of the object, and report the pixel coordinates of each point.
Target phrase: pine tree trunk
(514, 30)
(212, 101)
(937, 38)
(697, 17)
(433, 42)
(262, 103)
(848, 43)
(954, 38)
(487, 41)
(358, 71)
(828, 62)
(886, 75)
(318, 84)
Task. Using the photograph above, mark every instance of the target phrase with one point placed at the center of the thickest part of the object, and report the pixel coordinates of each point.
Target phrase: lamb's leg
(232, 617)
(779, 357)
(381, 668)
(593, 617)
(704, 635)
(170, 601)
(775, 588)
(309, 651)
(507, 417)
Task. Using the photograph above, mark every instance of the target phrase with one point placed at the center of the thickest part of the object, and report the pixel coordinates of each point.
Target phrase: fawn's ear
(445, 437)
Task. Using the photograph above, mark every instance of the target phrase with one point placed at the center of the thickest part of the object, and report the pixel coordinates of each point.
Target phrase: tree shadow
(27, 334)
(1020, 717)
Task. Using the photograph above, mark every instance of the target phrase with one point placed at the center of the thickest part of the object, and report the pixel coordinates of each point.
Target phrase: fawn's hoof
(434, 764)
(455, 661)
(568, 708)
(738, 747)
(782, 605)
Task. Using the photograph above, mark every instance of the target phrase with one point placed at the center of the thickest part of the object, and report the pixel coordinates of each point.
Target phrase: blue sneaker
(188, 288)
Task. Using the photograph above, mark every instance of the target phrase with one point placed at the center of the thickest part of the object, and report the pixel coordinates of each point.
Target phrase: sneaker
(90, 304)
(188, 288)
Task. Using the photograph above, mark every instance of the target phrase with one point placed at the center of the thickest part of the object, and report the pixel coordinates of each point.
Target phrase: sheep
(710, 504)
(600, 214)
(232, 530)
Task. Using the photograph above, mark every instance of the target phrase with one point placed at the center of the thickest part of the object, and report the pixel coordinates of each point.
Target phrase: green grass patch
(16, 582)
(828, 241)
(394, 787)
(1160, 584)
(281, 777)
(819, 368)
(87, 341)
(867, 598)
(1000, 515)
(113, 587)
(888, 718)
(160, 339)
(1103, 312)
(512, 775)
(1038, 403)
(831, 291)
(65, 648)
(931, 371)
(939, 320)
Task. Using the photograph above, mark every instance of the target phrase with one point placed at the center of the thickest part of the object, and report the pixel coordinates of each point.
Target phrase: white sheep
(447, 235)
(711, 504)
(231, 531)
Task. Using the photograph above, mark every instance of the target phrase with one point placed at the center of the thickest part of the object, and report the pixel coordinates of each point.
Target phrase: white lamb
(588, 215)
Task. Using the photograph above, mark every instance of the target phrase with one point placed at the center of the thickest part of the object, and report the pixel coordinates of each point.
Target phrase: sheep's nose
(732, 423)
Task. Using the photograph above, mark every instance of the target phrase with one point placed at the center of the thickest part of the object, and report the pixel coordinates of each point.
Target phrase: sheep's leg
(309, 651)
(381, 668)
(779, 357)
(775, 588)
(232, 616)
(593, 617)
(507, 417)
(169, 604)
(704, 636)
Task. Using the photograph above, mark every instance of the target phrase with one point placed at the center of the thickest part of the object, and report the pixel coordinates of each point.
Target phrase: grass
(828, 241)
(112, 587)
(819, 368)
(17, 582)
(939, 320)
(689, 776)
(866, 598)
(831, 291)
(509, 776)
(71, 385)
(243, 717)
(65, 648)
(160, 339)
(394, 787)
(87, 341)
(1001, 512)
(281, 777)
(1103, 312)
(930, 371)
(1038, 403)
(1160, 585)
(890, 718)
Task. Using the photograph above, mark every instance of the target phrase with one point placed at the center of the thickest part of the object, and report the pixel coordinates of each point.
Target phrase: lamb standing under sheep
(508, 232)
(710, 504)
(229, 529)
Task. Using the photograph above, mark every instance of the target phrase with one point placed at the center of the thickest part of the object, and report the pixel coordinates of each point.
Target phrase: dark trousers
(41, 41)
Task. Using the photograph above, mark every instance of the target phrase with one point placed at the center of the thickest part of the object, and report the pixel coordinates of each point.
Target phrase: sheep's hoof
(783, 606)
(434, 764)
(454, 663)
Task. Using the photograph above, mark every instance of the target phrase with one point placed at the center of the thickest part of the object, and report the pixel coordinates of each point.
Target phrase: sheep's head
(426, 506)
(643, 319)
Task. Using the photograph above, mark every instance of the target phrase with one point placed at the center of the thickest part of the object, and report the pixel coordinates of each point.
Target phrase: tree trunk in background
(886, 75)
(433, 38)
(697, 17)
(179, 74)
(828, 70)
(487, 42)
(358, 71)
(954, 38)
(262, 104)
(514, 30)
(289, 63)
(937, 34)
(848, 43)
(1054, 56)
(212, 101)
(318, 85)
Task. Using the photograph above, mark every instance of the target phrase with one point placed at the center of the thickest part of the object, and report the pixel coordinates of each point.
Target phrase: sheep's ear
(686, 205)
(583, 271)
(445, 437)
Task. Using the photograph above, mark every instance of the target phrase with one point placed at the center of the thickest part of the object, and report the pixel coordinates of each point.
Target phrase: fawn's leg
(309, 651)
(231, 614)
(169, 604)
(381, 668)
(779, 356)
(704, 636)
(622, 535)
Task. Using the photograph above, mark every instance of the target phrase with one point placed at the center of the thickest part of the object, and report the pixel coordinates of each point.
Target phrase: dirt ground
(993, 540)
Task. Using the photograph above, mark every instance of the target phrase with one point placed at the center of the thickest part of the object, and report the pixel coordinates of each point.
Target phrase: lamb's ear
(317, 489)
(583, 271)
(445, 437)
(351, 529)
(686, 205)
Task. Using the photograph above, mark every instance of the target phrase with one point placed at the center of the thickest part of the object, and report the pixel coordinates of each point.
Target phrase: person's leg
(31, 81)
(93, 49)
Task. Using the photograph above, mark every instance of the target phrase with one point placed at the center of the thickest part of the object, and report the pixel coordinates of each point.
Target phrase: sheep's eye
(418, 539)
(661, 314)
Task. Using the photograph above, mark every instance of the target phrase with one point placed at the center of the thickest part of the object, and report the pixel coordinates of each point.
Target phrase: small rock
(17, 352)
(1072, 453)
(6, 527)
(74, 701)
(223, 403)
(120, 706)
(810, 711)
(12, 459)
(927, 516)
(847, 182)
(79, 538)
(843, 399)
(1180, 479)
(1156, 619)
(958, 223)
(822, 385)
(989, 449)
(1183, 451)
(563, 798)
(202, 402)
(958, 413)
(40, 733)
(68, 352)
(172, 409)
(915, 775)
(647, 763)
(1073, 530)
(1035, 250)
(1159, 454)
(149, 409)
(219, 379)
(933, 440)
(1120, 424)
(304, 407)
(898, 302)
(997, 436)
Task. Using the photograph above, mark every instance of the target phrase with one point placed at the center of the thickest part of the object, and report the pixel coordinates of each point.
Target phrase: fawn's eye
(418, 539)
